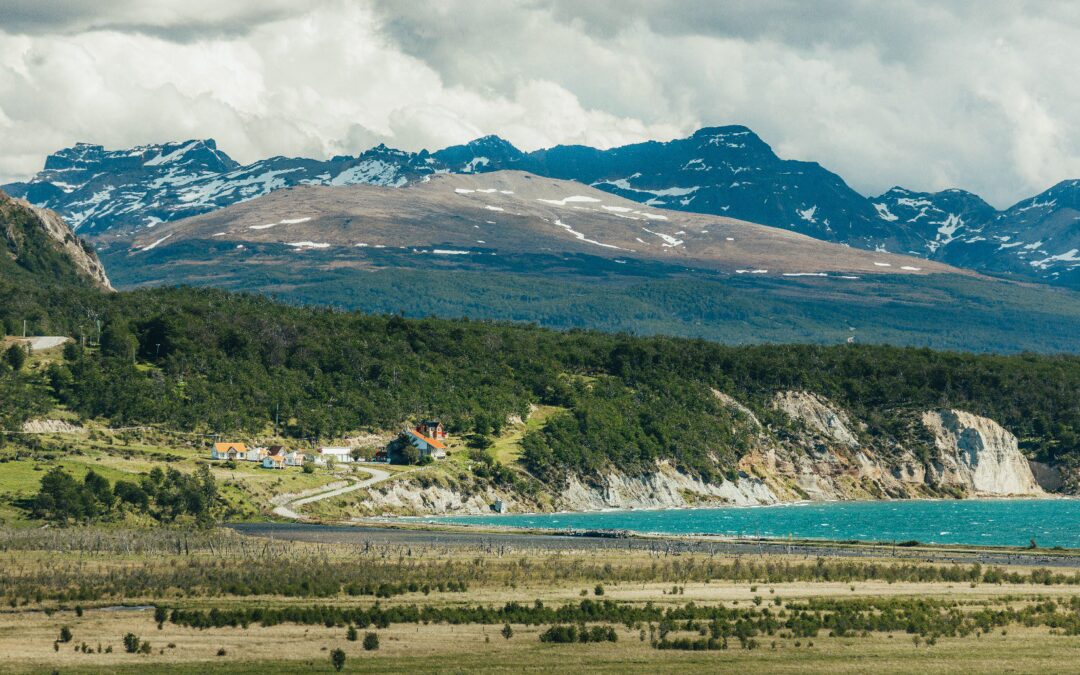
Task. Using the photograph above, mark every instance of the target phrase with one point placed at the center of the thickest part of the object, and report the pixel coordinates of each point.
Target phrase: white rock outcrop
(664, 488)
(979, 454)
(818, 414)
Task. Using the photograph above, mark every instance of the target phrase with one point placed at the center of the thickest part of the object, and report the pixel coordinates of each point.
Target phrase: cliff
(816, 451)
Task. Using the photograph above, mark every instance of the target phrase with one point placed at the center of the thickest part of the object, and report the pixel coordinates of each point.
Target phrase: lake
(996, 522)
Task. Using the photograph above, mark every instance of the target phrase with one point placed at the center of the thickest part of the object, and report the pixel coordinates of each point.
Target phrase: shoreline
(410, 534)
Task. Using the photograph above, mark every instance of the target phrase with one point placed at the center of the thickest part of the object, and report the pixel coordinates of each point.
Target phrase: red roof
(430, 441)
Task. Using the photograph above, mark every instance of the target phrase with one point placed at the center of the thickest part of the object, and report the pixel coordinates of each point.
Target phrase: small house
(432, 429)
(337, 454)
(256, 454)
(233, 451)
(428, 447)
(294, 458)
(274, 462)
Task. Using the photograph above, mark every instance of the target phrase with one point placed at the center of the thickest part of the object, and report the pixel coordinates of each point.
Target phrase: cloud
(972, 94)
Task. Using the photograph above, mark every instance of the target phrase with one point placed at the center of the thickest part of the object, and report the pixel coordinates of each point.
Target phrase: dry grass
(26, 642)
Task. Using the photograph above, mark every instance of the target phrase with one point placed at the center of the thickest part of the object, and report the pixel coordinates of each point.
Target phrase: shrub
(350, 635)
(337, 657)
(371, 641)
(507, 631)
(65, 634)
(131, 643)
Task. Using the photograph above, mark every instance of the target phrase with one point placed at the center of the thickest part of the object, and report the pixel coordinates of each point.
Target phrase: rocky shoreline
(822, 453)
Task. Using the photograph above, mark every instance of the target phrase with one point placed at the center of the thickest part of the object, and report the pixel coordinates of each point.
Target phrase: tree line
(208, 360)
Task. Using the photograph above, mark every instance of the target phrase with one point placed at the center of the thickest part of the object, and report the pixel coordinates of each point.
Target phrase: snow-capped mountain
(98, 190)
(1036, 238)
(726, 171)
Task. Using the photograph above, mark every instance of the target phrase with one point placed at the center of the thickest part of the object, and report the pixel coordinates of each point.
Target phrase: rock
(817, 413)
(51, 427)
(1048, 477)
(664, 488)
(978, 454)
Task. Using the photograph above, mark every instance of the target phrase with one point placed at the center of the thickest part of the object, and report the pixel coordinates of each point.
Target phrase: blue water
(999, 522)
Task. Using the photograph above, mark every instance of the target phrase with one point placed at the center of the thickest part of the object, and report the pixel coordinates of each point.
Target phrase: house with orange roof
(274, 461)
(233, 451)
(428, 447)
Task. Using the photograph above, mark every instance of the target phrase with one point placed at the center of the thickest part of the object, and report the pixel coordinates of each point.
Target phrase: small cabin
(233, 451)
(294, 458)
(274, 462)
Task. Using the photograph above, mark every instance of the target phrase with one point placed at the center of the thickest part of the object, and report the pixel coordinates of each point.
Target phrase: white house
(337, 454)
(231, 451)
(426, 445)
(294, 458)
(274, 462)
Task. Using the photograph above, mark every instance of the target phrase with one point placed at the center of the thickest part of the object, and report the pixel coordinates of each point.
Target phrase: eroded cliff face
(977, 454)
(818, 454)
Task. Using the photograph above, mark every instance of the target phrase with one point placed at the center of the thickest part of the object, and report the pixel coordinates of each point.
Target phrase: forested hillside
(209, 360)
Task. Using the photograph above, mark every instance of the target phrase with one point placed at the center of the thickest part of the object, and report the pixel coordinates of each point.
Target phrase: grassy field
(507, 447)
(79, 578)
(471, 649)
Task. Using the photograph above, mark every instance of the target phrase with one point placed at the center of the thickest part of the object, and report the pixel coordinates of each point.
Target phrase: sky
(980, 94)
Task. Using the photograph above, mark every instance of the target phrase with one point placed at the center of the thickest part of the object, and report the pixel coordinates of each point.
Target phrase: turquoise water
(999, 522)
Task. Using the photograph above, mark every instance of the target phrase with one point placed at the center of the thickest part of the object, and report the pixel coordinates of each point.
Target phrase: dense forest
(199, 359)
(640, 297)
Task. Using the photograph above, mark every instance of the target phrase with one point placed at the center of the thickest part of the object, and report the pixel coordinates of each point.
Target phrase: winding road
(287, 510)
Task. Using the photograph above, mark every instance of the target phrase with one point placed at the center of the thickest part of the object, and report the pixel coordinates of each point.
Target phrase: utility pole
(24, 327)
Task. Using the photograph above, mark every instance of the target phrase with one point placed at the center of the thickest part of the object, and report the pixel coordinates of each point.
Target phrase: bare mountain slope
(520, 213)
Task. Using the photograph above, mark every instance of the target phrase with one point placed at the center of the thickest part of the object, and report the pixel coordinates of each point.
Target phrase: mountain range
(727, 171)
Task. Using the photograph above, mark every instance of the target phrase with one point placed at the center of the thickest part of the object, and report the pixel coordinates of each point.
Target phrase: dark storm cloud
(978, 94)
(177, 22)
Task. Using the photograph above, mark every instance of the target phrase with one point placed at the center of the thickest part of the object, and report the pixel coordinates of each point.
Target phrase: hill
(620, 410)
(513, 246)
(40, 248)
(511, 212)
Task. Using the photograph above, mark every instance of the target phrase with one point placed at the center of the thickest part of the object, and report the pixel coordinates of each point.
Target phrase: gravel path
(287, 510)
(46, 342)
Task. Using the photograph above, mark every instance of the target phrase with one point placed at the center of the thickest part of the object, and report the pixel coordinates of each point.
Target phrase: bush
(309, 467)
(351, 635)
(371, 641)
(65, 634)
(337, 657)
(507, 631)
(131, 643)
(15, 357)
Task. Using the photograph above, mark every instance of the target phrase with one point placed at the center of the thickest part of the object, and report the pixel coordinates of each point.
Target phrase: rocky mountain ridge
(726, 171)
(39, 242)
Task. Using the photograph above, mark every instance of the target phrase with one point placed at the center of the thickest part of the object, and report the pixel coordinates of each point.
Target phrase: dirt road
(288, 509)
